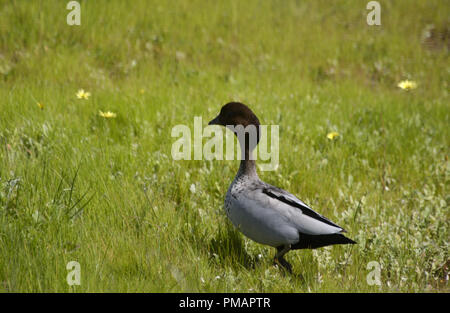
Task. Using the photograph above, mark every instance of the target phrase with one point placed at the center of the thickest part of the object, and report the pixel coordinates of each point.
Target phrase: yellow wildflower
(108, 114)
(81, 94)
(332, 135)
(407, 85)
(40, 105)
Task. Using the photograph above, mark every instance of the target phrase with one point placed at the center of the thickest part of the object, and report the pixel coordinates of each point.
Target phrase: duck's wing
(316, 220)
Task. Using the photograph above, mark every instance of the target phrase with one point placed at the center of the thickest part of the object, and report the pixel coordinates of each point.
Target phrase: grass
(75, 186)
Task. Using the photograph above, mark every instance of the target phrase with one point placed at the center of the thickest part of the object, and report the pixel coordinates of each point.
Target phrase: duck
(264, 213)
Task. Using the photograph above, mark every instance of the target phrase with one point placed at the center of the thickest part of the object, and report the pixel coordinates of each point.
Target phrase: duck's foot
(281, 251)
(284, 264)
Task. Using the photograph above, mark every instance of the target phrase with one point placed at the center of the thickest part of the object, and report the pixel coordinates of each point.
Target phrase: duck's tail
(317, 241)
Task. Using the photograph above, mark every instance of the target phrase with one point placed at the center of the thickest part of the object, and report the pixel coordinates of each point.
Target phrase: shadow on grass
(227, 247)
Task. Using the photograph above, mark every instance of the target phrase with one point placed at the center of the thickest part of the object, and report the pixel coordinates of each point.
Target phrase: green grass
(107, 193)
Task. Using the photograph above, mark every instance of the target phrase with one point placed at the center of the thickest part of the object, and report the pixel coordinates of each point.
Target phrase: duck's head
(235, 113)
(241, 120)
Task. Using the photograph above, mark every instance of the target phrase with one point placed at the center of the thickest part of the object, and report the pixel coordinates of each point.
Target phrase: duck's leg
(281, 251)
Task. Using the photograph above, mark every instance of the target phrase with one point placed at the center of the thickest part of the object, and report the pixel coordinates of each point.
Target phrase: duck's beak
(215, 121)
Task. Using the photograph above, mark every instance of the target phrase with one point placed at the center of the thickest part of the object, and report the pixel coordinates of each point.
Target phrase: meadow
(103, 190)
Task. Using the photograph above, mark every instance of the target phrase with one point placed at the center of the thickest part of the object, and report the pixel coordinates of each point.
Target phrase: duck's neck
(248, 165)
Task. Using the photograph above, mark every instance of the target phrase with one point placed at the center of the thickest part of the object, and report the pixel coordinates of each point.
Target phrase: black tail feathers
(317, 241)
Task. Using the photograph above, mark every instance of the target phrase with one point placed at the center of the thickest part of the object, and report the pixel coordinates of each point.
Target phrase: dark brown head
(236, 115)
